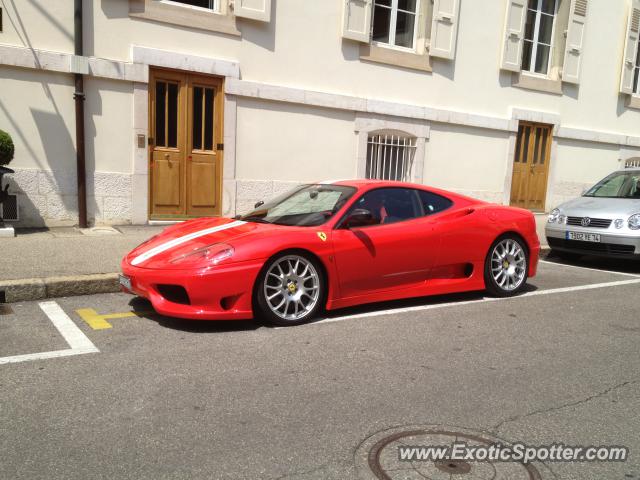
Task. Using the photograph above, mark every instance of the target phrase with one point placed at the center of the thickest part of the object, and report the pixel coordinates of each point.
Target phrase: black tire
(492, 285)
(262, 303)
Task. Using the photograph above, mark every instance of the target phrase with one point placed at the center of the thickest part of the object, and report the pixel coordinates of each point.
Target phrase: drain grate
(378, 456)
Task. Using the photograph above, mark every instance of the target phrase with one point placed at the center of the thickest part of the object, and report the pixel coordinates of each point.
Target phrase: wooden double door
(185, 144)
(531, 166)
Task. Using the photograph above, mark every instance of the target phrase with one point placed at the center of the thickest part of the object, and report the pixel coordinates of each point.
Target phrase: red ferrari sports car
(332, 245)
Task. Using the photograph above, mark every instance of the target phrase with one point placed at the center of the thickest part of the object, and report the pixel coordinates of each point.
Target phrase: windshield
(304, 206)
(617, 185)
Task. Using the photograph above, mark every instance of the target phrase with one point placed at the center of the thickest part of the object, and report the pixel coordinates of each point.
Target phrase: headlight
(556, 216)
(619, 223)
(634, 222)
(213, 254)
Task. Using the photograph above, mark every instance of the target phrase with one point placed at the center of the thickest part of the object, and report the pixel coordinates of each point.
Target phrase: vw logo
(586, 221)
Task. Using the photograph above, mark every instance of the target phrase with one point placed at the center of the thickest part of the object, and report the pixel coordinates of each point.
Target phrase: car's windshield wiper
(255, 219)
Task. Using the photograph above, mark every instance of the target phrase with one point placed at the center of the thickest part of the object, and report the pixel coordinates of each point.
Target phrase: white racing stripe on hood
(180, 240)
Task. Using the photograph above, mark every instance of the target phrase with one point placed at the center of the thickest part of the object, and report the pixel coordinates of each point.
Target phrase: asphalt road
(170, 399)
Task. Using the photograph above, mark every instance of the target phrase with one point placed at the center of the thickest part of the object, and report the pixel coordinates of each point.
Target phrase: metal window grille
(390, 157)
(632, 163)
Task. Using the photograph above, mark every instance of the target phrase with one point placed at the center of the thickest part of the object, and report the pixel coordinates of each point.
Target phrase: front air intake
(174, 294)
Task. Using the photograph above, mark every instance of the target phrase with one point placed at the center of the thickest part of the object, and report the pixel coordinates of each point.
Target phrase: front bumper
(614, 245)
(219, 293)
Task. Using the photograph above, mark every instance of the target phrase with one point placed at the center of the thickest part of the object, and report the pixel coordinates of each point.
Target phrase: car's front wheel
(290, 289)
(506, 266)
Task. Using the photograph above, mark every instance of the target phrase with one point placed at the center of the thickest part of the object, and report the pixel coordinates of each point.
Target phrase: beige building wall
(295, 91)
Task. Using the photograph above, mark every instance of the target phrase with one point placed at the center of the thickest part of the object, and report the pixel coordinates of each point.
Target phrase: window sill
(184, 17)
(389, 56)
(633, 101)
(540, 84)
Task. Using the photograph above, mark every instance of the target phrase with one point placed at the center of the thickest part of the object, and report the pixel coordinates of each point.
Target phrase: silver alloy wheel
(508, 264)
(291, 287)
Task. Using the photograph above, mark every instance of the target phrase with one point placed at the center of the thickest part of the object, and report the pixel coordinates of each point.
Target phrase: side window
(433, 203)
(390, 205)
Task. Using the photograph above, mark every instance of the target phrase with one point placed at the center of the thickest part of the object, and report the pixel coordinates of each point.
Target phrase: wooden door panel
(531, 166)
(204, 134)
(167, 144)
(166, 185)
(185, 127)
(202, 185)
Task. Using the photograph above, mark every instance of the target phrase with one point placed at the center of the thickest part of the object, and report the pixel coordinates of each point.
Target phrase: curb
(51, 287)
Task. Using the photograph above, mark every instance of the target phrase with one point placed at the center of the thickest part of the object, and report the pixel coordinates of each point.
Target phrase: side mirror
(259, 204)
(360, 217)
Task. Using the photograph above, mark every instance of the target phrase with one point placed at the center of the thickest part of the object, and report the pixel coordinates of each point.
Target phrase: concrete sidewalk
(61, 262)
(43, 263)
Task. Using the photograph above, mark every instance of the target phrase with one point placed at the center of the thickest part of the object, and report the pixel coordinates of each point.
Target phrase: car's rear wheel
(291, 289)
(506, 266)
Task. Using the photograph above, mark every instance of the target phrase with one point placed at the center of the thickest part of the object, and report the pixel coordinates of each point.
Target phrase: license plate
(584, 237)
(125, 281)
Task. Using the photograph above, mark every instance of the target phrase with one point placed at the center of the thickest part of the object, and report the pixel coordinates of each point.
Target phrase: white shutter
(575, 39)
(253, 9)
(514, 35)
(444, 28)
(630, 49)
(356, 20)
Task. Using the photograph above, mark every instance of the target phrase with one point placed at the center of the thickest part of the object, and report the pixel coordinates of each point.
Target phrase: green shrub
(6, 148)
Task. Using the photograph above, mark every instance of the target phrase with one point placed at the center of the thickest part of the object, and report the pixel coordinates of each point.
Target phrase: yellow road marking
(99, 322)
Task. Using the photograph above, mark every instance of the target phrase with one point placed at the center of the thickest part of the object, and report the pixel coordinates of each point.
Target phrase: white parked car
(604, 221)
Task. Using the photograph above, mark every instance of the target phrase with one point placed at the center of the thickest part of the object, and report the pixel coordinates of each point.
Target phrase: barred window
(390, 157)
(632, 163)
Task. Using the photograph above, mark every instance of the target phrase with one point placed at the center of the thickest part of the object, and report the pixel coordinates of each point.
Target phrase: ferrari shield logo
(322, 236)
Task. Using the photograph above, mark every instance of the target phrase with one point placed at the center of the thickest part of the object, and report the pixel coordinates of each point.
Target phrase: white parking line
(77, 340)
(613, 272)
(419, 308)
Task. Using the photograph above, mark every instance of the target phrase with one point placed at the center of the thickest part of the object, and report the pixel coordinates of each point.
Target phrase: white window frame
(530, 69)
(393, 24)
(215, 5)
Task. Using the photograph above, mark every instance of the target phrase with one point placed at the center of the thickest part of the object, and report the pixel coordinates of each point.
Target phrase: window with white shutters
(545, 38)
(404, 24)
(390, 156)
(631, 60)
(636, 76)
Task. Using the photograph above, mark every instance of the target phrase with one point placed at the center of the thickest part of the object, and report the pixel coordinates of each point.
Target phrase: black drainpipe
(78, 96)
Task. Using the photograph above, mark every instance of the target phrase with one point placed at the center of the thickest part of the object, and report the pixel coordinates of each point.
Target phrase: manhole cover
(378, 457)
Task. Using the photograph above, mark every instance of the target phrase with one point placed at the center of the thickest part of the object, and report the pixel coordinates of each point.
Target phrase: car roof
(367, 184)
(362, 182)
